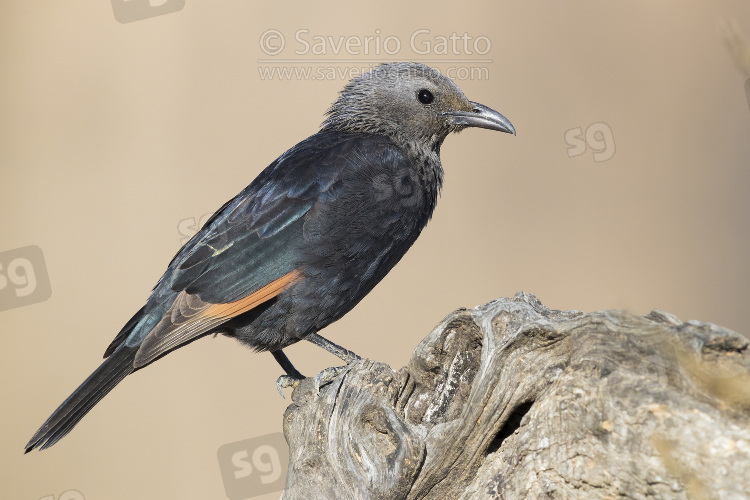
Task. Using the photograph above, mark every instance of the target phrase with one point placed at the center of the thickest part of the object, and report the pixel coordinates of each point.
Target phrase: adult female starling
(307, 239)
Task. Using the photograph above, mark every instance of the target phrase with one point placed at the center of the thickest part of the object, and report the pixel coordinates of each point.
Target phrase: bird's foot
(285, 381)
(327, 376)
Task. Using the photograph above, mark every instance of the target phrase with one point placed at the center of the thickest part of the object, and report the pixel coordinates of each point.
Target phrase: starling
(303, 243)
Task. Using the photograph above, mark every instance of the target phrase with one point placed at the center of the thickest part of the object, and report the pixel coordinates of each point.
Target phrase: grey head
(411, 103)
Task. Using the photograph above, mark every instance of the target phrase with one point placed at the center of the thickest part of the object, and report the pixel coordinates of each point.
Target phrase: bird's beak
(483, 117)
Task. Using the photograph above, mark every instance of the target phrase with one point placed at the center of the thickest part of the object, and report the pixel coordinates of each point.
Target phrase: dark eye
(425, 96)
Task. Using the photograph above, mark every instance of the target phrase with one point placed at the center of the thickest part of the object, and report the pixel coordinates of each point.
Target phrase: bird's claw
(285, 381)
(327, 376)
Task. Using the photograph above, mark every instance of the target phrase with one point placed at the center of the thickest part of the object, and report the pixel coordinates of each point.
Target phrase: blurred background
(123, 124)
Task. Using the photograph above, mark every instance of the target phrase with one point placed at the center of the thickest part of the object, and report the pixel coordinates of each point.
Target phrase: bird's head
(409, 102)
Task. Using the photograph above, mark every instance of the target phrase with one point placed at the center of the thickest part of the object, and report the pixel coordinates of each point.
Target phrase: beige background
(111, 134)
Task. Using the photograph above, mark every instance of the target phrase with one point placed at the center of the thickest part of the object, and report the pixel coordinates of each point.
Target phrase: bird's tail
(104, 379)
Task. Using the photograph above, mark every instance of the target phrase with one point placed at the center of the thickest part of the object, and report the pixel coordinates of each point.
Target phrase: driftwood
(513, 400)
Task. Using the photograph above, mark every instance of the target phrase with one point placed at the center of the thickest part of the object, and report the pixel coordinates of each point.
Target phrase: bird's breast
(354, 238)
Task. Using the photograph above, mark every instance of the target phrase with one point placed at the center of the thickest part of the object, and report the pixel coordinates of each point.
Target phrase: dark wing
(247, 253)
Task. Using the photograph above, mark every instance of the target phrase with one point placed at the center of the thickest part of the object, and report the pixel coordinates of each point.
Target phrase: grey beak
(483, 117)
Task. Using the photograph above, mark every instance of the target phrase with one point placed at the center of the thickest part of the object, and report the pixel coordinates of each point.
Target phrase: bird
(306, 240)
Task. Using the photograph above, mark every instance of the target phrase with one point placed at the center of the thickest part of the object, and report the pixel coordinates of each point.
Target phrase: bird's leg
(345, 355)
(327, 375)
(292, 377)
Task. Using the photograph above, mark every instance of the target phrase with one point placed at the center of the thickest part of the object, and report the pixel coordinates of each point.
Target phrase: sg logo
(598, 137)
(254, 466)
(188, 227)
(23, 278)
(127, 11)
(66, 495)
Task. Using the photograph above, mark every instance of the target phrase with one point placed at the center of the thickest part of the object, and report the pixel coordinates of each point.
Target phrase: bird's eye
(425, 96)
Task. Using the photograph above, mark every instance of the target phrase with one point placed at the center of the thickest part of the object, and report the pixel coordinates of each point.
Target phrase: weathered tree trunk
(513, 400)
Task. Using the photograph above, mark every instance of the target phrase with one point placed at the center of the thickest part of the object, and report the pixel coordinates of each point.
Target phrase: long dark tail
(91, 391)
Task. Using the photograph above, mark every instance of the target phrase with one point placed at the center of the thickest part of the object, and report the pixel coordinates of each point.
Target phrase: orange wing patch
(190, 317)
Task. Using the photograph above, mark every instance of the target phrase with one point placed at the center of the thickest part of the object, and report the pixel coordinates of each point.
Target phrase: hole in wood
(513, 423)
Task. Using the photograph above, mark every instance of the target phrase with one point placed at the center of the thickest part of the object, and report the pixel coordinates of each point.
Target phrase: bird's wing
(190, 317)
(246, 254)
